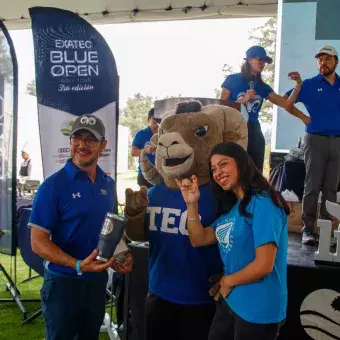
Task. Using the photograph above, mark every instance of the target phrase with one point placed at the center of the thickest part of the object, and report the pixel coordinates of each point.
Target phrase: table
(304, 278)
(293, 177)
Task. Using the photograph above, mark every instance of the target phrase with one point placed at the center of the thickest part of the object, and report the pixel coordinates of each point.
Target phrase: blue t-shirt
(72, 209)
(238, 87)
(322, 101)
(263, 301)
(178, 272)
(141, 140)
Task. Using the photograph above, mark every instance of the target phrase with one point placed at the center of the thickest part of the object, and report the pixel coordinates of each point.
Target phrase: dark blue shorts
(73, 308)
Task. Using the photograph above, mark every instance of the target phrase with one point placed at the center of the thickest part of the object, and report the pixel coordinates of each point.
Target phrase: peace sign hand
(189, 189)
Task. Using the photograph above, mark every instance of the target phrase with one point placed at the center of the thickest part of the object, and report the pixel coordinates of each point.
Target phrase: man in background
(26, 166)
(321, 97)
(25, 170)
(142, 141)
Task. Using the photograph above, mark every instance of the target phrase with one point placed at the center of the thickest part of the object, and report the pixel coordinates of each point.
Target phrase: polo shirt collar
(73, 171)
(321, 78)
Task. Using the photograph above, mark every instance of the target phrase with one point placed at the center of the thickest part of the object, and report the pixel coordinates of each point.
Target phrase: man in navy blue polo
(141, 141)
(321, 97)
(66, 221)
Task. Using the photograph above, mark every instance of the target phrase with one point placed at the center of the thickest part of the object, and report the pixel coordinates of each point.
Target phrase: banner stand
(11, 285)
(76, 74)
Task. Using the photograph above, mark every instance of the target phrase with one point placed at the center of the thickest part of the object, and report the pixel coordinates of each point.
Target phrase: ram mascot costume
(178, 305)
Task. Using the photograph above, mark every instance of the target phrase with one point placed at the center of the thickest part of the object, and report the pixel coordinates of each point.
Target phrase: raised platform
(318, 316)
(313, 296)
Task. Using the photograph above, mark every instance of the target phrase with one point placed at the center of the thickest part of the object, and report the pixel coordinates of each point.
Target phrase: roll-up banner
(8, 139)
(76, 74)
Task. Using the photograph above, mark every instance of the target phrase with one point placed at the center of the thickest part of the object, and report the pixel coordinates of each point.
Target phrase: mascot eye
(201, 131)
(163, 131)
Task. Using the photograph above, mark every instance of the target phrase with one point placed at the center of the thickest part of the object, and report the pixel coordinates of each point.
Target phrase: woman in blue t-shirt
(252, 235)
(248, 88)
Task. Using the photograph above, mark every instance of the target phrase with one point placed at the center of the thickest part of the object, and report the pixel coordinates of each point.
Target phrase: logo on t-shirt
(253, 106)
(224, 236)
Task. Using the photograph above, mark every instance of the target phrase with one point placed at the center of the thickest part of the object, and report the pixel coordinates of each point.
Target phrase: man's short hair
(151, 113)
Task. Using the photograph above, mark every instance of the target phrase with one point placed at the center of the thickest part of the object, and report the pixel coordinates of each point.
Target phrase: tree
(265, 36)
(134, 116)
(226, 69)
(31, 88)
(6, 65)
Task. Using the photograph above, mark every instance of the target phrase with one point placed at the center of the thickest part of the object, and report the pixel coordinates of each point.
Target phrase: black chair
(11, 285)
(32, 260)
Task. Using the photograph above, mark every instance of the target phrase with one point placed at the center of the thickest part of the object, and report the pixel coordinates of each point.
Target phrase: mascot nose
(172, 143)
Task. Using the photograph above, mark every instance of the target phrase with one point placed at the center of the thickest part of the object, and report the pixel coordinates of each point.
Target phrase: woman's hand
(189, 189)
(225, 287)
(305, 120)
(250, 95)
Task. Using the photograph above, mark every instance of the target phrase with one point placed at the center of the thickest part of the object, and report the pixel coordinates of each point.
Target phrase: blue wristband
(78, 263)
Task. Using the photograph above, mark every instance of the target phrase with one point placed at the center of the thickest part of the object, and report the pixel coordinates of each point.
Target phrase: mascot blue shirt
(178, 272)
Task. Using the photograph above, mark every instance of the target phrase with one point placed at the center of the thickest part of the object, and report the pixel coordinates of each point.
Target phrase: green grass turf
(10, 314)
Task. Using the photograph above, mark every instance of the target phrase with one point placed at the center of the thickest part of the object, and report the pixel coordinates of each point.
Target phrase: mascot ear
(233, 125)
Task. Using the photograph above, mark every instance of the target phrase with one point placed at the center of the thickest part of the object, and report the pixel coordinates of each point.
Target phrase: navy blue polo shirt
(322, 101)
(141, 140)
(238, 87)
(72, 209)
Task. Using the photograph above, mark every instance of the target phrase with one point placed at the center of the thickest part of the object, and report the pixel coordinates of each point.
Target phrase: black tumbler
(110, 235)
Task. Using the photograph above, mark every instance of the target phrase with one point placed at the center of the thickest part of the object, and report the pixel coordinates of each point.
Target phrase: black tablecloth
(293, 177)
(304, 277)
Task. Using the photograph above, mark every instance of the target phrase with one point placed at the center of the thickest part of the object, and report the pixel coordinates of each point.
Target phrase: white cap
(327, 49)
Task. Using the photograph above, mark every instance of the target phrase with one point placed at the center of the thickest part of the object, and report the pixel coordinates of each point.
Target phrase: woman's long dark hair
(251, 181)
(248, 76)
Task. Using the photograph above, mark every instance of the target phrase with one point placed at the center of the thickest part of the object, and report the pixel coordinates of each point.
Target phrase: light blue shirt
(263, 301)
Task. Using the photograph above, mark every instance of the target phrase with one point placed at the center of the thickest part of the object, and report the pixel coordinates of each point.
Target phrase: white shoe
(307, 238)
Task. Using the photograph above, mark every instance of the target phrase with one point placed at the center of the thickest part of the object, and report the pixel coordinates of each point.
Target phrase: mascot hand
(135, 201)
(123, 263)
(215, 289)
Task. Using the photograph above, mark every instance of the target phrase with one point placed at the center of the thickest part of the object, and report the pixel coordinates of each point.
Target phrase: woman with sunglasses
(252, 235)
(249, 89)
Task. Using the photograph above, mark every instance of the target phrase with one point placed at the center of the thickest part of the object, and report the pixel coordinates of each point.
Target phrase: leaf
(134, 116)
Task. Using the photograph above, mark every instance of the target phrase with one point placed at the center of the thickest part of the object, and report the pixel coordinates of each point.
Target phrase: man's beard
(85, 164)
(89, 162)
(328, 71)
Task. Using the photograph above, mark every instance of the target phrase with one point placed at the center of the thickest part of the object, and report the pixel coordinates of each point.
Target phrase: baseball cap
(327, 49)
(258, 52)
(151, 113)
(89, 123)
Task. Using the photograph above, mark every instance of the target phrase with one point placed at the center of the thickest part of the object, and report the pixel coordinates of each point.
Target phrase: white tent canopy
(15, 13)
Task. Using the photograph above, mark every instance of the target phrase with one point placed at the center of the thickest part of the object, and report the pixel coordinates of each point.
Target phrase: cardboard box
(295, 218)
